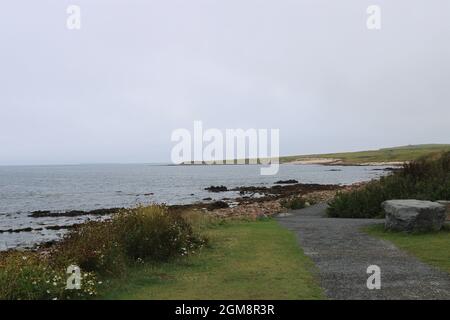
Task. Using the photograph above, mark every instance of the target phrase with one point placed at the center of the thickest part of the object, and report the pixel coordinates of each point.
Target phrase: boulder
(446, 203)
(414, 215)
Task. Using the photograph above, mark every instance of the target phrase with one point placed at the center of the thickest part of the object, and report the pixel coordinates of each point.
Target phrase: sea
(24, 189)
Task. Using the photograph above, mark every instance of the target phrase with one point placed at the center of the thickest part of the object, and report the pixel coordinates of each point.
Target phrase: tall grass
(151, 234)
(424, 179)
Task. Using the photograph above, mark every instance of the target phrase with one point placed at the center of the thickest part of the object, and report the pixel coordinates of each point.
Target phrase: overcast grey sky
(114, 90)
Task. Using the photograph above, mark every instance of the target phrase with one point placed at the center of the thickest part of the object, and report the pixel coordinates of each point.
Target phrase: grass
(245, 260)
(395, 154)
(101, 250)
(431, 248)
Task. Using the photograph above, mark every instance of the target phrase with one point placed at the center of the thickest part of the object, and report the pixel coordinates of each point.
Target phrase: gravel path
(342, 254)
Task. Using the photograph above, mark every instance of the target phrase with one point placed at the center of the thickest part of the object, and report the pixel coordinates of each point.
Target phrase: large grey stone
(446, 203)
(414, 215)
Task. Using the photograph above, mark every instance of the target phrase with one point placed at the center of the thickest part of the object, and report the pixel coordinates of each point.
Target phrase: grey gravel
(342, 253)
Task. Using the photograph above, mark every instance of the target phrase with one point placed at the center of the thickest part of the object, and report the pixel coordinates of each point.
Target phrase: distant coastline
(306, 161)
(395, 156)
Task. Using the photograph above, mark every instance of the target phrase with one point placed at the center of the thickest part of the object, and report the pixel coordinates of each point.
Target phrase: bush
(92, 246)
(99, 248)
(153, 233)
(144, 233)
(293, 203)
(424, 179)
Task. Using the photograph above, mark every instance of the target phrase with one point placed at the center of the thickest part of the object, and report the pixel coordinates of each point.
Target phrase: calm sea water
(24, 189)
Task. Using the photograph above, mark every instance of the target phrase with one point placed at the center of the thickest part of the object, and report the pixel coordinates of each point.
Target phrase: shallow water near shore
(24, 189)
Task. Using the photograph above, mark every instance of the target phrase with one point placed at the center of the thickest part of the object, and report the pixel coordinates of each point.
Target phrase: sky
(115, 90)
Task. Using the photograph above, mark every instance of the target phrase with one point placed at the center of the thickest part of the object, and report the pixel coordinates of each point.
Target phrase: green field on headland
(384, 155)
(245, 260)
(395, 154)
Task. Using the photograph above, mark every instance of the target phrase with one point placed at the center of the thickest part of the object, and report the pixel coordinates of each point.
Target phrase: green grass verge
(431, 248)
(245, 260)
(400, 154)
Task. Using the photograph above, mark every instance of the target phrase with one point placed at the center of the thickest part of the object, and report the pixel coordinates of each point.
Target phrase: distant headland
(385, 156)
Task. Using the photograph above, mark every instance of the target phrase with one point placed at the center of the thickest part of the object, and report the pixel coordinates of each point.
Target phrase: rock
(413, 215)
(446, 203)
(217, 205)
(216, 188)
(74, 213)
(290, 181)
(233, 204)
(284, 214)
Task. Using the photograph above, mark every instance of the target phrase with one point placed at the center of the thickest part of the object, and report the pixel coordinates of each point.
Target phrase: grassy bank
(245, 260)
(424, 179)
(152, 253)
(396, 154)
(432, 248)
(99, 250)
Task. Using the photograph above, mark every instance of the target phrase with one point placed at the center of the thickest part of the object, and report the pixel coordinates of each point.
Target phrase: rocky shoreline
(252, 202)
(73, 213)
(269, 200)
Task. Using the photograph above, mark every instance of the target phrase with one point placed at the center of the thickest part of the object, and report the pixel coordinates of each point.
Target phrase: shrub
(92, 246)
(153, 233)
(293, 203)
(424, 179)
(143, 233)
(99, 248)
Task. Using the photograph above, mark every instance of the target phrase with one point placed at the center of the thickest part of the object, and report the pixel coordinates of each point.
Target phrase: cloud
(114, 90)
